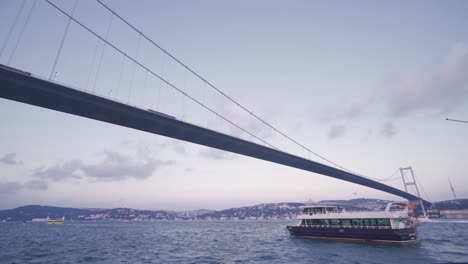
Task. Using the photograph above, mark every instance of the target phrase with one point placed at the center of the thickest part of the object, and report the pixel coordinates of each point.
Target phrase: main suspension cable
(219, 90)
(156, 75)
(422, 188)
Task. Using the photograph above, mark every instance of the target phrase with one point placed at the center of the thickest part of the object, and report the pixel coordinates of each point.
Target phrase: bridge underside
(27, 89)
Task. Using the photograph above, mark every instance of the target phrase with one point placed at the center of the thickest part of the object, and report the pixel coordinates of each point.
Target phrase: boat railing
(331, 212)
(354, 212)
(350, 227)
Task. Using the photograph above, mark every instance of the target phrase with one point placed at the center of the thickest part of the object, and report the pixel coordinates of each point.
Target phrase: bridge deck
(22, 87)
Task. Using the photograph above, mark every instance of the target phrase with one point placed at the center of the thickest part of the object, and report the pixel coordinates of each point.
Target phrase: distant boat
(55, 221)
(423, 218)
(39, 220)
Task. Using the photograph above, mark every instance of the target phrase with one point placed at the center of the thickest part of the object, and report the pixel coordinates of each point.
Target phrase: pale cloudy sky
(367, 84)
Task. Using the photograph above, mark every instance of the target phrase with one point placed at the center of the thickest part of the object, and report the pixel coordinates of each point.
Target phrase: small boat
(55, 221)
(423, 218)
(396, 224)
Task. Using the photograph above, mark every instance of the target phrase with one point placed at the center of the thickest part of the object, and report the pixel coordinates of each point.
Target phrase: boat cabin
(312, 210)
(366, 222)
(395, 214)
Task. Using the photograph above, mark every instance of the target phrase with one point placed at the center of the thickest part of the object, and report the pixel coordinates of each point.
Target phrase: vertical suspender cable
(182, 92)
(7, 38)
(205, 102)
(63, 40)
(163, 60)
(122, 67)
(182, 98)
(20, 36)
(144, 89)
(223, 93)
(98, 70)
(134, 68)
(92, 63)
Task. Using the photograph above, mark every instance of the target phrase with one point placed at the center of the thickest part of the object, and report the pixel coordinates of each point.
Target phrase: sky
(366, 84)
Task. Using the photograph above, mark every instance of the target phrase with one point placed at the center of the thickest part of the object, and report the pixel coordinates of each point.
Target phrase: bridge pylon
(412, 181)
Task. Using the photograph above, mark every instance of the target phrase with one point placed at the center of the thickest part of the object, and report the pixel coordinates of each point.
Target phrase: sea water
(215, 242)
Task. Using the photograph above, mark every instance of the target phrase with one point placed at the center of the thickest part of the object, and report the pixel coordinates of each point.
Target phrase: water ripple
(214, 242)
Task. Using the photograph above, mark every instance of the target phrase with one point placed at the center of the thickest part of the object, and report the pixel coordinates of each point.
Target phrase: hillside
(260, 211)
(458, 204)
(285, 210)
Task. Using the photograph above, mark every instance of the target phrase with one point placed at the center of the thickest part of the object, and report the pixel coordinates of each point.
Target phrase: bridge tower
(408, 172)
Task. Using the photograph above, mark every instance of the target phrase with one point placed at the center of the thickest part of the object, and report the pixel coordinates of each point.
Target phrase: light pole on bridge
(456, 120)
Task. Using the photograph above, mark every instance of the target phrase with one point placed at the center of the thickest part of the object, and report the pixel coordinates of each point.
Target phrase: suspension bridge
(108, 102)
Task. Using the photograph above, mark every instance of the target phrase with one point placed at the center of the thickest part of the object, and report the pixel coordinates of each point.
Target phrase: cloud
(345, 114)
(389, 130)
(60, 171)
(8, 188)
(216, 154)
(39, 185)
(368, 135)
(144, 148)
(442, 91)
(117, 167)
(10, 159)
(112, 167)
(176, 145)
(439, 92)
(336, 131)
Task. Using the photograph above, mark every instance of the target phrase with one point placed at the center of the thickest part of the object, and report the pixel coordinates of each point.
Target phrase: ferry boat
(396, 224)
(58, 221)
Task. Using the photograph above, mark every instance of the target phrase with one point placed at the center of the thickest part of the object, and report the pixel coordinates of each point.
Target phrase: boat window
(346, 222)
(326, 222)
(357, 222)
(335, 222)
(384, 222)
(318, 210)
(373, 222)
(365, 222)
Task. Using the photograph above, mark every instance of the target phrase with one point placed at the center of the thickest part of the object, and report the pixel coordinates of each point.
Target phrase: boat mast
(407, 183)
